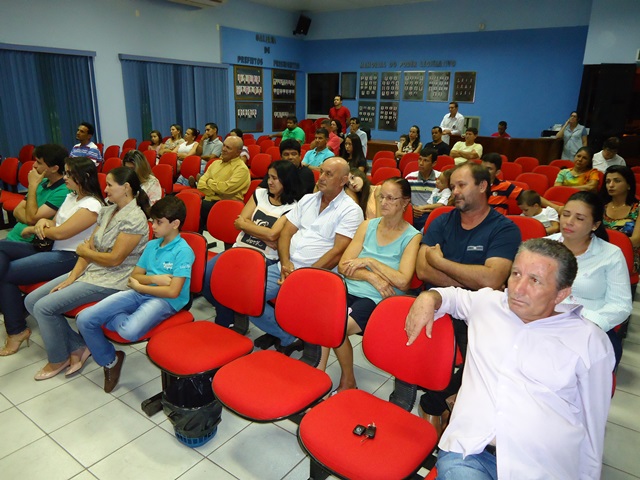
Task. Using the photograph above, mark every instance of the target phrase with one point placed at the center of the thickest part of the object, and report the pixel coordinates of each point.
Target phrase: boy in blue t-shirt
(159, 287)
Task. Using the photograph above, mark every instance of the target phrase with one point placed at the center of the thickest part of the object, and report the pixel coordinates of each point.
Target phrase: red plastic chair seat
(11, 200)
(196, 348)
(179, 318)
(280, 386)
(395, 452)
(75, 311)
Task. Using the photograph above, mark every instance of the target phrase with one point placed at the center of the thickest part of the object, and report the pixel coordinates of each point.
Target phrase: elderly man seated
(536, 386)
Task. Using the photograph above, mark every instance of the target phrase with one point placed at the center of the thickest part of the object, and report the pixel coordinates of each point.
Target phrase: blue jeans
(129, 313)
(224, 316)
(48, 309)
(22, 264)
(267, 321)
(451, 466)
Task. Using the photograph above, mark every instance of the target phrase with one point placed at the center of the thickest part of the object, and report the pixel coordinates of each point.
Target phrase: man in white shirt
(452, 123)
(608, 156)
(314, 233)
(536, 386)
(467, 150)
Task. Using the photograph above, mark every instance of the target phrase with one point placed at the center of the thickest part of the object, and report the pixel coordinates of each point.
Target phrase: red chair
(536, 181)
(110, 163)
(548, 171)
(600, 179)
(510, 171)
(522, 185)
(144, 145)
(528, 163)
(252, 188)
(529, 227)
(253, 151)
(504, 159)
(277, 141)
(171, 159)
(443, 161)
(124, 152)
(260, 165)
(265, 145)
(408, 158)
(220, 222)
(190, 168)
(624, 243)
(274, 152)
(10, 200)
(9, 174)
(199, 246)
(102, 180)
(164, 174)
(192, 353)
(247, 136)
(410, 168)
(635, 169)
(252, 386)
(326, 431)
(112, 151)
(193, 201)
(383, 173)
(151, 156)
(131, 143)
(408, 214)
(262, 138)
(561, 163)
(448, 167)
(249, 141)
(383, 163)
(435, 214)
(559, 195)
(384, 154)
(100, 147)
(26, 153)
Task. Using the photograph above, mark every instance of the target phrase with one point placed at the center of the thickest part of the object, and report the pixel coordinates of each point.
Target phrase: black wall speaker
(302, 28)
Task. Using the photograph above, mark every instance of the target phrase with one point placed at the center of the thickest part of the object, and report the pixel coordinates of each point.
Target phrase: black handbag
(42, 244)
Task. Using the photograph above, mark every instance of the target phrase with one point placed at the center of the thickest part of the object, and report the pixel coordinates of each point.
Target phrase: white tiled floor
(69, 428)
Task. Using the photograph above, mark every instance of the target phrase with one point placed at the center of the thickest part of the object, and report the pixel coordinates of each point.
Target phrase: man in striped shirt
(86, 148)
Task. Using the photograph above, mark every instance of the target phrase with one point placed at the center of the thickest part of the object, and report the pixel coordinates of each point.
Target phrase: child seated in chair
(159, 287)
(531, 205)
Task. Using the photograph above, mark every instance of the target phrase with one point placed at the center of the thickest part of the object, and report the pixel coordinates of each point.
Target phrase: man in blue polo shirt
(314, 158)
(159, 287)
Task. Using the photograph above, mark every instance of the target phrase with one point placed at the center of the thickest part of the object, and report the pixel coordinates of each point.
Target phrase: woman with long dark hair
(53, 252)
(105, 262)
(602, 285)
(351, 151)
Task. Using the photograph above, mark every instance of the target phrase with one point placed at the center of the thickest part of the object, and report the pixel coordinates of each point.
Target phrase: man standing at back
(315, 234)
(340, 112)
(226, 179)
(86, 148)
(471, 247)
(452, 123)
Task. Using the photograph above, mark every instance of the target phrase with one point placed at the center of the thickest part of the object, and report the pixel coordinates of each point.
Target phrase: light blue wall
(530, 78)
(155, 28)
(614, 32)
(457, 16)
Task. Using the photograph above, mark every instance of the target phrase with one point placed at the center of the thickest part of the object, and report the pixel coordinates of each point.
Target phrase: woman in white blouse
(602, 285)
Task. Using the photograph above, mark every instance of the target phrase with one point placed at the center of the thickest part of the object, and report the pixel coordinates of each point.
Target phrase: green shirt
(297, 134)
(51, 195)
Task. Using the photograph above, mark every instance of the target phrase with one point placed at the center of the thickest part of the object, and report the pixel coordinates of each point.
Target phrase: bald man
(315, 234)
(227, 179)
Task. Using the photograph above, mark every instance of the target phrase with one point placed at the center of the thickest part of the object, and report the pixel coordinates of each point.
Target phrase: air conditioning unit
(200, 3)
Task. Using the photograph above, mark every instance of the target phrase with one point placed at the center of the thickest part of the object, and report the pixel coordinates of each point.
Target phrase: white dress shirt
(541, 390)
(455, 124)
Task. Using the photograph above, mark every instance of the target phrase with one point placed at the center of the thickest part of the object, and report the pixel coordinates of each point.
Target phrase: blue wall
(530, 78)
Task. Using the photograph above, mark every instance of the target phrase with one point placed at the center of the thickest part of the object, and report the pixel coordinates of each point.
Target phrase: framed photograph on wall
(247, 83)
(464, 87)
(390, 86)
(413, 89)
(283, 85)
(280, 113)
(369, 85)
(250, 116)
(438, 86)
(348, 85)
(367, 114)
(388, 117)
